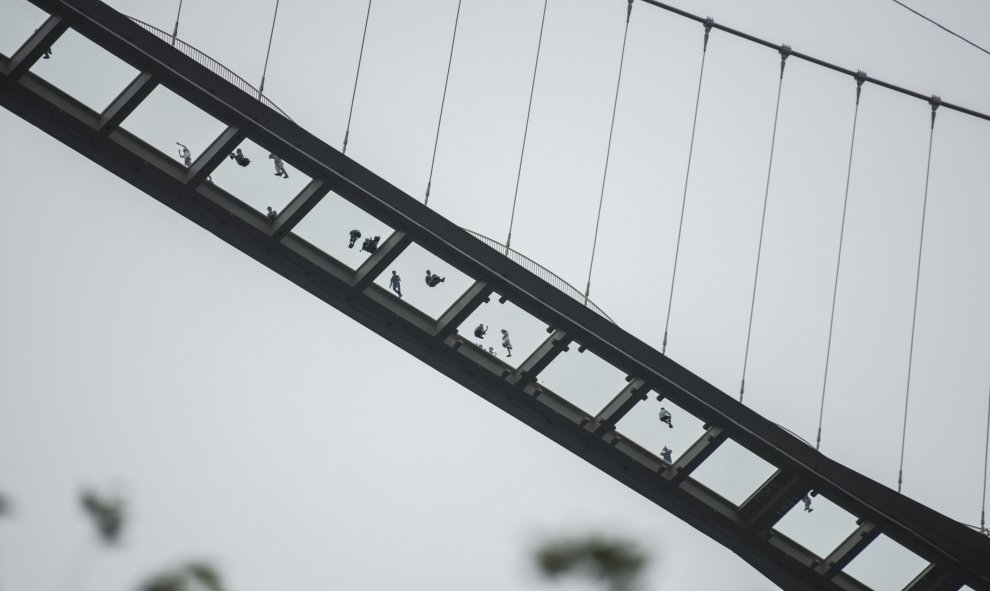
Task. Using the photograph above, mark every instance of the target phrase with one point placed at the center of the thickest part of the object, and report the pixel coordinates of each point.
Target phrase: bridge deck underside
(955, 554)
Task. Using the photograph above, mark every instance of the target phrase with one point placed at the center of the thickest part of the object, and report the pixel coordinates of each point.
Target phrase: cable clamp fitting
(785, 52)
(860, 77)
(629, 11)
(935, 102)
(709, 23)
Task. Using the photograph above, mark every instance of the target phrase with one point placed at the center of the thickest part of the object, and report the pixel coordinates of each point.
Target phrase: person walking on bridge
(279, 166)
(394, 283)
(665, 417)
(665, 455)
(184, 154)
(506, 342)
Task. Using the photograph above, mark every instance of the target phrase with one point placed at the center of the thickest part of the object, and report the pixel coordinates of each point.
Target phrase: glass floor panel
(165, 120)
(822, 529)
(328, 225)
(20, 20)
(885, 565)
(526, 332)
(85, 71)
(733, 472)
(583, 379)
(642, 425)
(412, 267)
(250, 176)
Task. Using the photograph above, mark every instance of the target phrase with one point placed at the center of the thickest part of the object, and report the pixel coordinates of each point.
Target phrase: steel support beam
(848, 549)
(126, 102)
(936, 577)
(203, 166)
(475, 296)
(773, 500)
(299, 207)
(693, 457)
(378, 262)
(32, 50)
(617, 408)
(544, 355)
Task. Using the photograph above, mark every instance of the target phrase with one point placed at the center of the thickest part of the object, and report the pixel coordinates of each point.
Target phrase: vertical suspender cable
(529, 109)
(443, 100)
(986, 451)
(687, 176)
(934, 102)
(271, 35)
(175, 30)
(357, 75)
(860, 79)
(608, 151)
(785, 50)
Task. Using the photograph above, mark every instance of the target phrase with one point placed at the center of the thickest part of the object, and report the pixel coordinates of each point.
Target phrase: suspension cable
(443, 100)
(687, 176)
(269, 52)
(357, 75)
(934, 102)
(860, 79)
(175, 30)
(986, 452)
(529, 109)
(608, 150)
(785, 51)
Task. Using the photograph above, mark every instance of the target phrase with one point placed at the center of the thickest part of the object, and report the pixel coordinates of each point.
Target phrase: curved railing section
(213, 65)
(541, 272)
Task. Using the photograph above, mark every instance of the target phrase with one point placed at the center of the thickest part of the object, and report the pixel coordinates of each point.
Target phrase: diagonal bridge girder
(956, 554)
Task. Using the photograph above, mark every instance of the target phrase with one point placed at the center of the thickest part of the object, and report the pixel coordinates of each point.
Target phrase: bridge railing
(214, 66)
(541, 272)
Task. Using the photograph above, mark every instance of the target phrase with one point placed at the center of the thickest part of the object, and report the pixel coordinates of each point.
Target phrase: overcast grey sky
(254, 426)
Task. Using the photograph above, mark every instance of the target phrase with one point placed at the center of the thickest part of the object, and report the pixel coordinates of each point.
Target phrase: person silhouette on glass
(433, 280)
(665, 455)
(355, 234)
(370, 244)
(506, 343)
(665, 417)
(240, 158)
(394, 283)
(279, 166)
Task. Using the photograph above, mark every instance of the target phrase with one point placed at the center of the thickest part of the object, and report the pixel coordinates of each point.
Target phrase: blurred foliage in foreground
(107, 514)
(186, 578)
(619, 563)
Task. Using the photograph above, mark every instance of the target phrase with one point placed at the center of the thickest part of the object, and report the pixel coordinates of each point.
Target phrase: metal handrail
(541, 272)
(213, 65)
